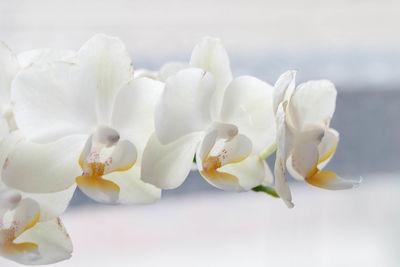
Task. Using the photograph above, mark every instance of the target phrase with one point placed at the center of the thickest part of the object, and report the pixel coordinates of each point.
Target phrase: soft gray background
(353, 43)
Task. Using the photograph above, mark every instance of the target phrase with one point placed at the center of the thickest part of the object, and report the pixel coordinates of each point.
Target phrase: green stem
(268, 190)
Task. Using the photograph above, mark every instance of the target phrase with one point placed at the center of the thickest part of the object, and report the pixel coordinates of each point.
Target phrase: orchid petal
(248, 105)
(9, 200)
(145, 73)
(211, 56)
(284, 87)
(330, 180)
(222, 180)
(313, 104)
(184, 105)
(26, 215)
(167, 166)
(304, 160)
(8, 68)
(250, 172)
(44, 168)
(229, 152)
(123, 157)
(108, 60)
(170, 69)
(133, 113)
(281, 185)
(99, 189)
(52, 205)
(3, 128)
(268, 176)
(236, 150)
(327, 147)
(43, 56)
(53, 244)
(285, 134)
(216, 131)
(132, 189)
(54, 101)
(21, 252)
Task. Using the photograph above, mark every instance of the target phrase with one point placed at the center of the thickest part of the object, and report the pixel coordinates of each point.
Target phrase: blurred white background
(355, 43)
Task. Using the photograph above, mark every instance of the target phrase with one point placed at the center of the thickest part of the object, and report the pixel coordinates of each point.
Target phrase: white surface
(168, 25)
(352, 43)
(349, 228)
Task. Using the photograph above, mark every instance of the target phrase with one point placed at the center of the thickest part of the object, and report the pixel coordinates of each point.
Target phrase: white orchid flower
(86, 117)
(30, 230)
(51, 204)
(306, 143)
(9, 67)
(10, 64)
(226, 123)
(227, 147)
(211, 56)
(27, 240)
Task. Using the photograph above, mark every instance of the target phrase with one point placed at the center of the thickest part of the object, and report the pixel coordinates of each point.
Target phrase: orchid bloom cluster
(86, 119)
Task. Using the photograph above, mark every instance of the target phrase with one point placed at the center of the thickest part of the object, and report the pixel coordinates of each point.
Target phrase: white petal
(293, 172)
(105, 135)
(132, 189)
(123, 157)
(43, 56)
(313, 103)
(9, 199)
(206, 145)
(236, 150)
(304, 160)
(54, 243)
(285, 134)
(8, 68)
(44, 168)
(281, 185)
(167, 166)
(108, 60)
(7, 144)
(211, 56)
(184, 105)
(284, 87)
(144, 73)
(327, 147)
(216, 131)
(3, 128)
(26, 215)
(52, 205)
(268, 176)
(134, 108)
(171, 68)
(99, 189)
(231, 152)
(330, 180)
(54, 101)
(248, 105)
(250, 172)
(223, 180)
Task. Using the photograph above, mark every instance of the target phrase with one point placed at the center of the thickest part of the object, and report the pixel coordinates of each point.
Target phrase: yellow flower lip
(211, 163)
(92, 180)
(7, 245)
(94, 169)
